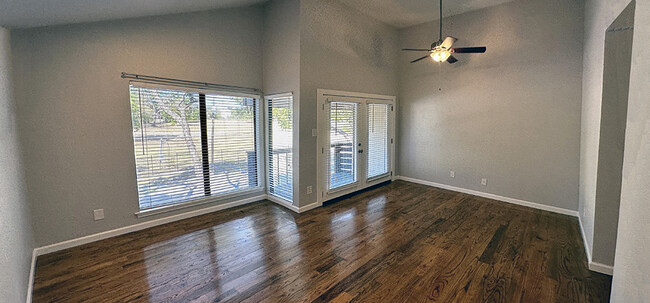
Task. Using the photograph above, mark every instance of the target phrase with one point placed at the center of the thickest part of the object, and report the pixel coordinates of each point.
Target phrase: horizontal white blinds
(190, 145)
(378, 139)
(342, 155)
(280, 146)
(231, 135)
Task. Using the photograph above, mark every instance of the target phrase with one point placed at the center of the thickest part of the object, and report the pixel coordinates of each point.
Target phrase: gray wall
(16, 242)
(74, 111)
(511, 115)
(599, 14)
(281, 56)
(340, 49)
(632, 266)
(616, 83)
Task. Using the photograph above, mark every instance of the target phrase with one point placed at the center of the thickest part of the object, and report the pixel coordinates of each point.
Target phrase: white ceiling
(33, 13)
(405, 13)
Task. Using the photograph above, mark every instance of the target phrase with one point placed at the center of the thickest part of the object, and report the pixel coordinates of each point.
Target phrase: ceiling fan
(442, 50)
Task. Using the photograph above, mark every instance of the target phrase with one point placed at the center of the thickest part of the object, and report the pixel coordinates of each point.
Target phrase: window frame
(260, 144)
(267, 144)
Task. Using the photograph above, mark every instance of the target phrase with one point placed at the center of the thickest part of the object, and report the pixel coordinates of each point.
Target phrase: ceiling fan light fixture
(440, 54)
(443, 50)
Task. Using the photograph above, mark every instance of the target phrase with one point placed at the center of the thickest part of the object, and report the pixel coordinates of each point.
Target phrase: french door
(356, 142)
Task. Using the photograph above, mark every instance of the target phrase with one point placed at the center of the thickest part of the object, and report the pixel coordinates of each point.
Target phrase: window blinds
(231, 141)
(191, 145)
(377, 139)
(342, 156)
(280, 146)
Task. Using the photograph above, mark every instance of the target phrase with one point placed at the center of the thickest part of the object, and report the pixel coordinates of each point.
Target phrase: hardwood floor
(402, 242)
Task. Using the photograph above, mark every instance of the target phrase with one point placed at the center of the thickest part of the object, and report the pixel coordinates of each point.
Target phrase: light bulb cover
(440, 54)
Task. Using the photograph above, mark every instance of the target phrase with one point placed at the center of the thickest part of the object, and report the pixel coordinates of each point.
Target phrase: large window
(191, 145)
(280, 144)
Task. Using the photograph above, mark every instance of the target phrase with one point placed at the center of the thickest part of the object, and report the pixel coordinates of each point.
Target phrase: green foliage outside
(162, 106)
(240, 112)
(283, 116)
(168, 107)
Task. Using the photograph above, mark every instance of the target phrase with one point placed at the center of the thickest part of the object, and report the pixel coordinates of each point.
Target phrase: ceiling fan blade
(418, 59)
(478, 49)
(452, 60)
(416, 49)
(448, 42)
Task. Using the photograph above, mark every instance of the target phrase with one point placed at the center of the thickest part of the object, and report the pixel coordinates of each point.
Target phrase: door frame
(323, 134)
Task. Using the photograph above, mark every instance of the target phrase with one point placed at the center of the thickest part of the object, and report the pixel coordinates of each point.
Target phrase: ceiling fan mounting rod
(440, 27)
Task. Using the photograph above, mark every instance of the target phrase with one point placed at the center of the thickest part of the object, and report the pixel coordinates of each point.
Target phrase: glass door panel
(342, 154)
(378, 140)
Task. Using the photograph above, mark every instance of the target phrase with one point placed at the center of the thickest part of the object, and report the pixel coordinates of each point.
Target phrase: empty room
(325, 151)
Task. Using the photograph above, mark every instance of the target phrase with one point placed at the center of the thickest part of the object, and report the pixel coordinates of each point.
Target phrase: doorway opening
(356, 142)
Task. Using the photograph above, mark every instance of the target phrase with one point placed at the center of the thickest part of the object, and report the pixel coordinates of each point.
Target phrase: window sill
(197, 202)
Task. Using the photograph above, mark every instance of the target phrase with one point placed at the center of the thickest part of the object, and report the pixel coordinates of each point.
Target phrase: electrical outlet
(98, 214)
(314, 132)
(452, 174)
(484, 182)
(309, 190)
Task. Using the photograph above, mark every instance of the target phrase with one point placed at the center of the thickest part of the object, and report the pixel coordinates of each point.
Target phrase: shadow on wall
(342, 33)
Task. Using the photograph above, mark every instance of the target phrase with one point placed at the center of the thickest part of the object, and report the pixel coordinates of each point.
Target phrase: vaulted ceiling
(32, 13)
(405, 13)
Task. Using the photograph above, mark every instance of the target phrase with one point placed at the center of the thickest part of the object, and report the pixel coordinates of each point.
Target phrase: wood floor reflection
(402, 242)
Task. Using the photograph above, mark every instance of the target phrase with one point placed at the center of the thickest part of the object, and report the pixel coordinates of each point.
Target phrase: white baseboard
(584, 240)
(601, 268)
(309, 207)
(144, 225)
(140, 226)
(32, 272)
(292, 207)
(593, 266)
(554, 209)
(283, 203)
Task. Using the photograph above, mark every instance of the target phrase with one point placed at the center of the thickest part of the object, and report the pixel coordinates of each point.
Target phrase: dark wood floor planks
(402, 242)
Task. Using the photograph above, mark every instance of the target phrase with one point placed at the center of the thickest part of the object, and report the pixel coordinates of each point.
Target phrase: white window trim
(197, 202)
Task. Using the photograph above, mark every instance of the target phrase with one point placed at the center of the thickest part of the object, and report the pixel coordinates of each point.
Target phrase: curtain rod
(193, 84)
(618, 29)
